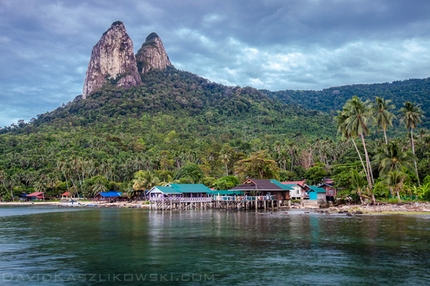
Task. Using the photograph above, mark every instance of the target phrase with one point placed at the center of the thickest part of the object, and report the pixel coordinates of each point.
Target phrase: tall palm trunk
(359, 156)
(385, 137)
(413, 152)
(369, 170)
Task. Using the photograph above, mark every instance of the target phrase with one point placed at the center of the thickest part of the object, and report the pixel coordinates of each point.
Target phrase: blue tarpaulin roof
(110, 194)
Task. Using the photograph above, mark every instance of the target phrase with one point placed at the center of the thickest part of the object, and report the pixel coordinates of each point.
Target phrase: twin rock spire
(113, 60)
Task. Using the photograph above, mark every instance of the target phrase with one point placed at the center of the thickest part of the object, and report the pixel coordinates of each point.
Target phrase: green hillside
(333, 98)
(174, 119)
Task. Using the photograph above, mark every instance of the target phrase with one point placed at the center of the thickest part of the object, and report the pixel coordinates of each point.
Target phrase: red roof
(36, 194)
(66, 194)
(301, 183)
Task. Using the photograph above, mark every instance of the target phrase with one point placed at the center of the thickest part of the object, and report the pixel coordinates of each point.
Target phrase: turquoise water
(68, 246)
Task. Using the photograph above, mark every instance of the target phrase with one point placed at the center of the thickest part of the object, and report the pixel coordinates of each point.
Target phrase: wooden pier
(180, 203)
(215, 202)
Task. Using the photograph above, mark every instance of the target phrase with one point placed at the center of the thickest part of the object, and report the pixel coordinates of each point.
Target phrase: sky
(45, 45)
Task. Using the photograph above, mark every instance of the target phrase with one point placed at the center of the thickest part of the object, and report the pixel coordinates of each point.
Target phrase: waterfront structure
(35, 196)
(297, 192)
(180, 196)
(66, 196)
(317, 194)
(254, 195)
(268, 190)
(328, 186)
(111, 196)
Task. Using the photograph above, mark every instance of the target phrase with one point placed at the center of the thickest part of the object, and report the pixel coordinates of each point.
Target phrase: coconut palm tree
(394, 180)
(393, 158)
(383, 116)
(412, 115)
(144, 180)
(341, 128)
(353, 121)
(358, 183)
(5, 182)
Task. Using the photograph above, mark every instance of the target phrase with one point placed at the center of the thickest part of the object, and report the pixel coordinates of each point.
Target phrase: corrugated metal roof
(165, 190)
(35, 194)
(262, 185)
(191, 188)
(226, 192)
(285, 187)
(182, 189)
(317, 189)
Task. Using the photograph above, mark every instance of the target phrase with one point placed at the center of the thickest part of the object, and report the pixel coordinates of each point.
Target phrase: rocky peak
(112, 60)
(152, 55)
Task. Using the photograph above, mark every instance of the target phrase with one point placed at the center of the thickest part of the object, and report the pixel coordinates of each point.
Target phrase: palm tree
(383, 116)
(4, 180)
(225, 155)
(353, 121)
(393, 158)
(341, 128)
(412, 115)
(394, 180)
(144, 180)
(358, 183)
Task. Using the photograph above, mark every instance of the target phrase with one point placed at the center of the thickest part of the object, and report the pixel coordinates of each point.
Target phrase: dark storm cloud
(45, 45)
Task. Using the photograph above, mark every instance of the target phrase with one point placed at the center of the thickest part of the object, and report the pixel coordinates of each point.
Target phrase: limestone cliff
(112, 60)
(152, 55)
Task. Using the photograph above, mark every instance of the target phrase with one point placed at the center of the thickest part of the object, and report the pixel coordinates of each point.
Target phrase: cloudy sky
(45, 45)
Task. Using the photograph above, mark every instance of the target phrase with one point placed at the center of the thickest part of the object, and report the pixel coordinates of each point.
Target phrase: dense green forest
(332, 99)
(183, 128)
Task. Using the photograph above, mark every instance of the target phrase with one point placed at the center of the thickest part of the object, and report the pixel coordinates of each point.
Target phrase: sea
(118, 246)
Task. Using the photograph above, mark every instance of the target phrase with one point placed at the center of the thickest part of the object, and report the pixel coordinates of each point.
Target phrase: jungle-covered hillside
(180, 127)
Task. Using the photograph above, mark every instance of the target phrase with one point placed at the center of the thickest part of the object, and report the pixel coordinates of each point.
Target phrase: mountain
(332, 99)
(152, 55)
(112, 59)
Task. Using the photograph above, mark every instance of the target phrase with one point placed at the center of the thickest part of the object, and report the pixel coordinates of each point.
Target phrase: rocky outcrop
(112, 61)
(152, 55)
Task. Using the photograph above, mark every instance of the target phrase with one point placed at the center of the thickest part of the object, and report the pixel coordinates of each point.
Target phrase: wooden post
(256, 203)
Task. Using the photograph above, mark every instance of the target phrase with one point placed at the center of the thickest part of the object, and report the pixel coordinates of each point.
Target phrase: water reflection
(234, 248)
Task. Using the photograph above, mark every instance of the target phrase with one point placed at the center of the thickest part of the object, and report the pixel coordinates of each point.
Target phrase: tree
(315, 174)
(257, 165)
(412, 115)
(383, 116)
(353, 121)
(5, 180)
(144, 180)
(393, 158)
(226, 182)
(395, 181)
(226, 155)
(358, 183)
(190, 172)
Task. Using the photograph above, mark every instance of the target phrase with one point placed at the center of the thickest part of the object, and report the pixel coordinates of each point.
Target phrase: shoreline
(81, 204)
(415, 208)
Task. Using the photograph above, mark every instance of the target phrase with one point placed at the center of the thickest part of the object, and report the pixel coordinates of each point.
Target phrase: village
(253, 194)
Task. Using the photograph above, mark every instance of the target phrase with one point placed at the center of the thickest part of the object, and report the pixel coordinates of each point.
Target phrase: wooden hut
(266, 190)
(296, 187)
(317, 194)
(111, 196)
(66, 196)
(35, 196)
